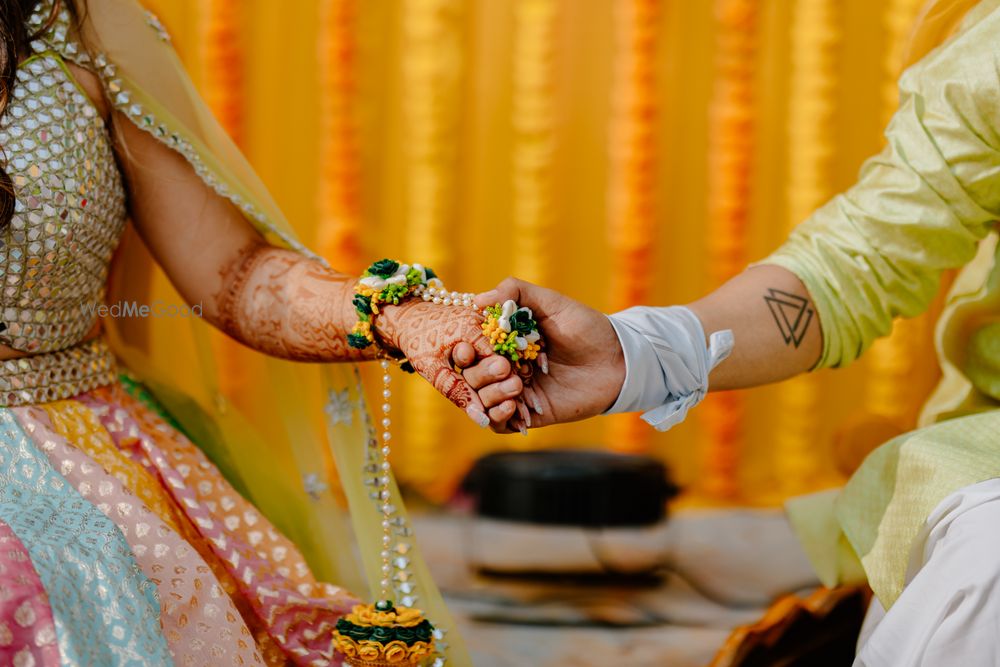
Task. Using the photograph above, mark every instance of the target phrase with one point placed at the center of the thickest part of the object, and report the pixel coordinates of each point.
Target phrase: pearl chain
(437, 295)
(384, 493)
(444, 297)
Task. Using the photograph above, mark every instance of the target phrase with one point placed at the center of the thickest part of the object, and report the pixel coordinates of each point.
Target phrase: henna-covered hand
(290, 306)
(427, 334)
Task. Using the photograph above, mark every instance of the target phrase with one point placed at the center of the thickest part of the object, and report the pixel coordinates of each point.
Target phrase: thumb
(454, 387)
(543, 302)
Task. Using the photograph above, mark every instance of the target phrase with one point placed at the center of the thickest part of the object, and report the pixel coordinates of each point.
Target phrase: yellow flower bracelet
(511, 330)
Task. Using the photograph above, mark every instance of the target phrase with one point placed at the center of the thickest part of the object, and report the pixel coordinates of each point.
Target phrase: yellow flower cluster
(492, 330)
(363, 329)
(366, 614)
(364, 290)
(497, 336)
(393, 653)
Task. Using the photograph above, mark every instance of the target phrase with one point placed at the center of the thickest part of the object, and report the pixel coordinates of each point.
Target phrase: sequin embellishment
(69, 211)
(50, 377)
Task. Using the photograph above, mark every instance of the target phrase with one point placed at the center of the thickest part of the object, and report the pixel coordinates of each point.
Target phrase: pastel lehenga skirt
(121, 543)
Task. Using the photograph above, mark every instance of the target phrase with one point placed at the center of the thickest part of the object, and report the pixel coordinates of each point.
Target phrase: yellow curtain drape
(731, 149)
(632, 160)
(429, 129)
(814, 79)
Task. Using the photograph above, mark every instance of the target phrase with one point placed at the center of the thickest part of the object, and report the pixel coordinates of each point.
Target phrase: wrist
(379, 298)
(629, 346)
(618, 370)
(387, 325)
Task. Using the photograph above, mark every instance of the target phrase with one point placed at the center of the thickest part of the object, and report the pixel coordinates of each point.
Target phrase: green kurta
(929, 202)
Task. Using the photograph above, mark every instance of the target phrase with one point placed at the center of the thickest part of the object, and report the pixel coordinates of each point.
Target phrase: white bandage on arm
(666, 362)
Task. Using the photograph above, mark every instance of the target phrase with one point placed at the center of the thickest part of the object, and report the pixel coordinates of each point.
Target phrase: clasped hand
(583, 375)
(585, 366)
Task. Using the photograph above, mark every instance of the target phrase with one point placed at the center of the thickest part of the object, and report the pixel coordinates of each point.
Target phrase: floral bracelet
(384, 282)
(511, 330)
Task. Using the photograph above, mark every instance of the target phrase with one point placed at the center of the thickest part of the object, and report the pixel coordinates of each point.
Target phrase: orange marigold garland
(632, 191)
(533, 150)
(433, 45)
(339, 234)
(816, 37)
(730, 169)
(222, 63)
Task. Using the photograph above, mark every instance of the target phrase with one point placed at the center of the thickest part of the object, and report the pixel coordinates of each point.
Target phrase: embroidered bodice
(70, 208)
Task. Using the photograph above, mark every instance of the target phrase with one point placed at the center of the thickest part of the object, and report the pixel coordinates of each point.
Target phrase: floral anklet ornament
(382, 634)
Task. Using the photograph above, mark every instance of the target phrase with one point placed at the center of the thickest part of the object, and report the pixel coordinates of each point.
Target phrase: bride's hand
(426, 334)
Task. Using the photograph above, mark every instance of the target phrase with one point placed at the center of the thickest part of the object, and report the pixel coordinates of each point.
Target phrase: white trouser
(949, 611)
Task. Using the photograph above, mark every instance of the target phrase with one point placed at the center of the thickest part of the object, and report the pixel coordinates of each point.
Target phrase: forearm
(287, 305)
(774, 323)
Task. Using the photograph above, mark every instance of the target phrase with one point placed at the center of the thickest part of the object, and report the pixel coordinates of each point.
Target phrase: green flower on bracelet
(512, 331)
(362, 304)
(384, 268)
(385, 281)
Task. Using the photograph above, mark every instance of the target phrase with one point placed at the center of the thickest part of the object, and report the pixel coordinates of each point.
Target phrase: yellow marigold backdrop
(622, 149)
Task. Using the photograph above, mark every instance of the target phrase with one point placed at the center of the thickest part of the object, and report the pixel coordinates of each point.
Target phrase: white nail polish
(538, 406)
(523, 430)
(478, 416)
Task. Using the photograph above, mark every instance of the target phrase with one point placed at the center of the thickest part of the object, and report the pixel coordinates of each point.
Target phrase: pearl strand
(384, 492)
(437, 295)
(442, 296)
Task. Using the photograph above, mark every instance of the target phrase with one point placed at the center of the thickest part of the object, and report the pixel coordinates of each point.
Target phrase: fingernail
(538, 406)
(543, 361)
(525, 413)
(498, 366)
(478, 416)
(523, 430)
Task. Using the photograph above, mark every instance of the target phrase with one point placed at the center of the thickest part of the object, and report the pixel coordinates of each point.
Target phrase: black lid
(570, 487)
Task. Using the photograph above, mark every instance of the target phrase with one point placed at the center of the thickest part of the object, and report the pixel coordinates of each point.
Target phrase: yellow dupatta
(302, 445)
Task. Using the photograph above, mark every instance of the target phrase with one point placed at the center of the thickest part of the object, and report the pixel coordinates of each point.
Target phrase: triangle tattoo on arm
(791, 313)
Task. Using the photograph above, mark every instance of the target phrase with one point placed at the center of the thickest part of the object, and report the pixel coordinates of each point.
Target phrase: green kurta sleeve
(877, 251)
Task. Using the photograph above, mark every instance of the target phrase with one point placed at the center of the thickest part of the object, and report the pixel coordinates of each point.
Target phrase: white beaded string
(442, 296)
(437, 295)
(384, 494)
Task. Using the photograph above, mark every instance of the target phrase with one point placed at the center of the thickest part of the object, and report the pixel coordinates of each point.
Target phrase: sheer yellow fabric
(276, 452)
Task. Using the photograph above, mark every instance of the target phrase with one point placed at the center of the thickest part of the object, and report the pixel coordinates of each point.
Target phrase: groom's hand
(586, 366)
